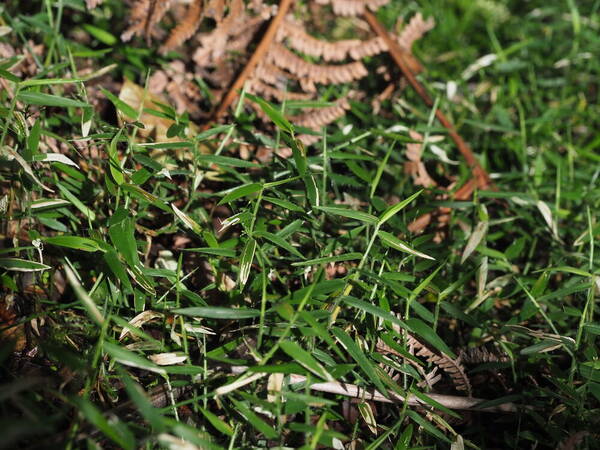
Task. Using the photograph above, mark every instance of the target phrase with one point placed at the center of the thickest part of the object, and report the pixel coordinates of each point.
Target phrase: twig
(399, 56)
(258, 54)
(351, 390)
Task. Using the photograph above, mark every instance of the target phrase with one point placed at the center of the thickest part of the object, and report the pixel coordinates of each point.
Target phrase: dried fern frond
(314, 73)
(186, 29)
(256, 86)
(478, 355)
(414, 166)
(453, 367)
(353, 7)
(318, 117)
(231, 34)
(273, 75)
(144, 16)
(415, 30)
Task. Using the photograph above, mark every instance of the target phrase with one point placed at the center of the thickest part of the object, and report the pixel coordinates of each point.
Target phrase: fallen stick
(256, 57)
(398, 55)
(351, 390)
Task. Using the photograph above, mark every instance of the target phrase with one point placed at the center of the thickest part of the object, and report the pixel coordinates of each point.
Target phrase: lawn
(218, 231)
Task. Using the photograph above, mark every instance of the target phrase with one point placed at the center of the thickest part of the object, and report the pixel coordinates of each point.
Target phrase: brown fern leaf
(319, 117)
(478, 355)
(186, 28)
(256, 86)
(144, 16)
(232, 33)
(310, 73)
(453, 367)
(271, 74)
(353, 7)
(414, 31)
(414, 166)
(298, 39)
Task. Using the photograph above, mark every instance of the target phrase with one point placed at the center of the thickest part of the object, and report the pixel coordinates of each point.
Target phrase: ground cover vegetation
(221, 230)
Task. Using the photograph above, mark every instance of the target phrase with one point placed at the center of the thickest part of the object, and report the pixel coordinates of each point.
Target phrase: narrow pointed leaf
(349, 213)
(394, 209)
(246, 261)
(394, 242)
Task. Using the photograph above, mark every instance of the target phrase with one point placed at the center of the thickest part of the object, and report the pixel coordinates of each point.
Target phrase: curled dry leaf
(167, 359)
(139, 320)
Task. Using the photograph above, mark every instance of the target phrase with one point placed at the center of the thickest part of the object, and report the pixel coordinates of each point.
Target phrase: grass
(139, 277)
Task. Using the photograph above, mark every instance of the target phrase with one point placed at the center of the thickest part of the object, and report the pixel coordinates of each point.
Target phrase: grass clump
(165, 286)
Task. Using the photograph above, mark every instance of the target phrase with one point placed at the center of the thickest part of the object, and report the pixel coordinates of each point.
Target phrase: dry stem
(399, 56)
(351, 390)
(256, 57)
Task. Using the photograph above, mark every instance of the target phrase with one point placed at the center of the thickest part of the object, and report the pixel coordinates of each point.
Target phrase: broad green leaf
(39, 99)
(427, 425)
(225, 161)
(312, 193)
(349, 213)
(275, 115)
(22, 265)
(119, 435)
(118, 269)
(33, 141)
(592, 328)
(26, 167)
(304, 358)
(374, 310)
(299, 154)
(121, 106)
(121, 231)
(213, 132)
(278, 241)
(75, 242)
(246, 261)
(591, 370)
(329, 259)
(394, 209)
(394, 242)
(136, 273)
(49, 81)
(141, 401)
(141, 194)
(380, 168)
(241, 191)
(113, 162)
(101, 34)
(131, 359)
(88, 303)
(217, 312)
(476, 236)
(361, 359)
(568, 269)
(219, 424)
(87, 212)
(367, 414)
(254, 420)
(283, 203)
(9, 75)
(187, 220)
